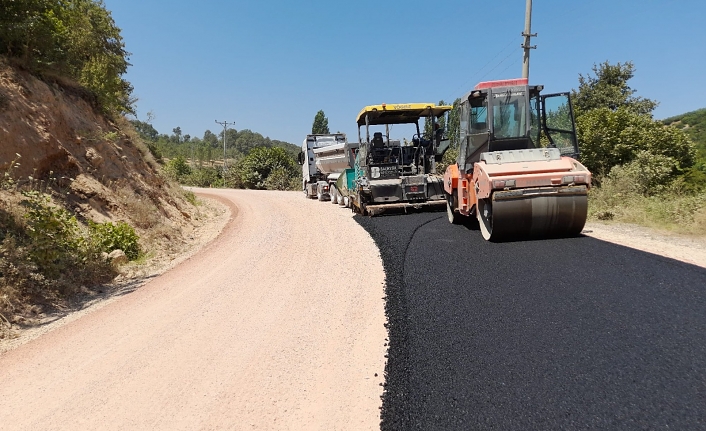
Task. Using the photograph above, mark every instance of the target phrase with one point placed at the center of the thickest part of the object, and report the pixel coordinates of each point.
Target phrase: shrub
(253, 170)
(61, 254)
(670, 206)
(202, 177)
(53, 232)
(177, 168)
(648, 174)
(190, 197)
(279, 179)
(118, 236)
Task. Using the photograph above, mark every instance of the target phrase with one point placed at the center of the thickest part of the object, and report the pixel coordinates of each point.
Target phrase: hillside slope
(60, 135)
(55, 141)
(694, 124)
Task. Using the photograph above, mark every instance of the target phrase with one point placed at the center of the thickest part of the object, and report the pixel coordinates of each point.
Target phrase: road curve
(560, 334)
(271, 326)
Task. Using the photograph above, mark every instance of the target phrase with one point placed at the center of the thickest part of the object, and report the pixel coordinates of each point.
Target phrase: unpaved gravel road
(268, 327)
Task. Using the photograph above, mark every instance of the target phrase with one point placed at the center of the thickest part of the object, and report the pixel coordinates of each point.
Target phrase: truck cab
(323, 157)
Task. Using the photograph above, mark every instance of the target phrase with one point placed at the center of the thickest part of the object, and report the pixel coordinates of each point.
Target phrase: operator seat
(379, 152)
(377, 140)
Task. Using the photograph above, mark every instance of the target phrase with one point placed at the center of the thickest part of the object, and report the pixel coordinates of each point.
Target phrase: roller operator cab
(517, 170)
(398, 173)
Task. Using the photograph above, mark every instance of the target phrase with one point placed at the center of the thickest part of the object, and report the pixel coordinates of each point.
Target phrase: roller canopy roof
(400, 113)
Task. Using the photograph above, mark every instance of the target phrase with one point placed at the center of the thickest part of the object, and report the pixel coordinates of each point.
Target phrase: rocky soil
(54, 140)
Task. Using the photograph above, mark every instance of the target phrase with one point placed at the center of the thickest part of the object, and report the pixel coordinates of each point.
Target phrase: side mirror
(300, 158)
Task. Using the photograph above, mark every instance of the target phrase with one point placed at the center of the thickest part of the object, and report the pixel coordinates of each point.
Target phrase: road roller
(517, 171)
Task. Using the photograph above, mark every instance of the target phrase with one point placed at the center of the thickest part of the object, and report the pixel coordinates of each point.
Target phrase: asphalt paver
(570, 333)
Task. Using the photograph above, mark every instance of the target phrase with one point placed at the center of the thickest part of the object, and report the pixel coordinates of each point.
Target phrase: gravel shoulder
(686, 249)
(269, 326)
(212, 217)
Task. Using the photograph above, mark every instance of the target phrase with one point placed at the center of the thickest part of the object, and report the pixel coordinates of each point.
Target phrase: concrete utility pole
(225, 127)
(528, 36)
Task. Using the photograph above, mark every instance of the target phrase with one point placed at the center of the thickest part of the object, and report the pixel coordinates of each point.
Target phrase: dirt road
(269, 327)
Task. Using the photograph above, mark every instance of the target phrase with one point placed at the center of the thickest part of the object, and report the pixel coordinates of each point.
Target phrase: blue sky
(269, 65)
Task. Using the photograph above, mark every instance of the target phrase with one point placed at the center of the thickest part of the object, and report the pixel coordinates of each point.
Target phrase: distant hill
(694, 124)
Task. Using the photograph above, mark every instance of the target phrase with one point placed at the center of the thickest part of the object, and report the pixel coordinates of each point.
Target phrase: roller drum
(527, 215)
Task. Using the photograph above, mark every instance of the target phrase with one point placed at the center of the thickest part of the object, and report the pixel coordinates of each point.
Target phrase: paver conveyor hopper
(517, 170)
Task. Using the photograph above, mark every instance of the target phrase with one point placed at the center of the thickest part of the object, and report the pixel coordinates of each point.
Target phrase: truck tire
(333, 192)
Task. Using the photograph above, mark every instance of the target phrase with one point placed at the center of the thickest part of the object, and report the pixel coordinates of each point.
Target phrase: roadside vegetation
(46, 252)
(252, 161)
(72, 42)
(647, 172)
(49, 253)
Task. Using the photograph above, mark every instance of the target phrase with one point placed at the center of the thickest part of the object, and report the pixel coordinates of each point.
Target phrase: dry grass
(141, 210)
(131, 134)
(671, 210)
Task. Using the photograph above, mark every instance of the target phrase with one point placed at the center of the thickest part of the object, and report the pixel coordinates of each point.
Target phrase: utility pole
(225, 127)
(528, 36)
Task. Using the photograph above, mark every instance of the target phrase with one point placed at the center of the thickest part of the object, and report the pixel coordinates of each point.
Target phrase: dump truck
(323, 158)
(517, 171)
(395, 174)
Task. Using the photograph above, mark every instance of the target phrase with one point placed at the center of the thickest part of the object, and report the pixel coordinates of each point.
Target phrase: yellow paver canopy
(400, 113)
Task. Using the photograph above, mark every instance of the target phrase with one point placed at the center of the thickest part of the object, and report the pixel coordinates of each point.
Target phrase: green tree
(454, 125)
(246, 140)
(320, 125)
(77, 39)
(177, 168)
(694, 125)
(610, 138)
(253, 171)
(177, 134)
(609, 88)
(428, 126)
(146, 130)
(614, 127)
(211, 139)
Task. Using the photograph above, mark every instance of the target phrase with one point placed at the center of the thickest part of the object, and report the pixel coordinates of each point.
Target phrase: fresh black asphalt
(563, 334)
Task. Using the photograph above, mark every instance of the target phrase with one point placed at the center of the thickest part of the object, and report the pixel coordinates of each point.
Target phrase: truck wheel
(333, 192)
(319, 196)
(346, 202)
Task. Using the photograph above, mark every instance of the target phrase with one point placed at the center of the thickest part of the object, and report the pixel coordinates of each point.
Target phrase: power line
(225, 127)
(498, 65)
(479, 71)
